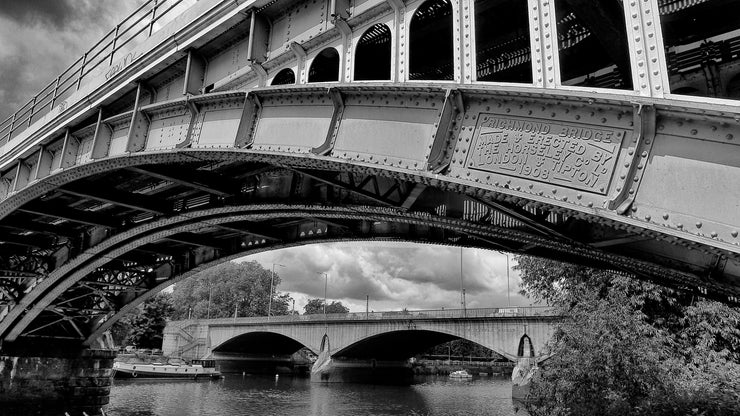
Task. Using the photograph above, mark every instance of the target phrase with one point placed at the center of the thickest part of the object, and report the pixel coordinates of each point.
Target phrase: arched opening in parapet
(502, 48)
(526, 348)
(733, 87)
(700, 39)
(325, 67)
(430, 42)
(373, 54)
(592, 43)
(404, 344)
(286, 76)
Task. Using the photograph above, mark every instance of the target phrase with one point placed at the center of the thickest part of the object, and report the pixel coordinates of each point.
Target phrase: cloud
(56, 12)
(41, 38)
(394, 275)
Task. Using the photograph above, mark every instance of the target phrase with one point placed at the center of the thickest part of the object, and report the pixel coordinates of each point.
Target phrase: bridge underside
(396, 345)
(260, 343)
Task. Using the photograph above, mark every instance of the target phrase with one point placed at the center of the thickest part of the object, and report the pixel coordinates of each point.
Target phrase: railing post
(115, 38)
(33, 107)
(82, 70)
(154, 17)
(54, 94)
(12, 125)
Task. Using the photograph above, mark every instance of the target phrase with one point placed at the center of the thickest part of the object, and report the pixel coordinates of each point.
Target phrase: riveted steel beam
(336, 119)
(528, 219)
(139, 125)
(135, 201)
(644, 136)
(198, 240)
(101, 138)
(248, 121)
(23, 224)
(39, 241)
(195, 69)
(74, 215)
(447, 129)
(259, 37)
(202, 180)
(16, 274)
(616, 241)
(69, 150)
(252, 229)
(359, 189)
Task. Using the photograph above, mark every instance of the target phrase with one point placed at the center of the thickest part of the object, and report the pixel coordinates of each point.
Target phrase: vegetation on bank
(628, 347)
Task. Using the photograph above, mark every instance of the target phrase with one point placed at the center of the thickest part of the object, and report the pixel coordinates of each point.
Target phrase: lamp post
(210, 294)
(508, 289)
(326, 282)
(272, 279)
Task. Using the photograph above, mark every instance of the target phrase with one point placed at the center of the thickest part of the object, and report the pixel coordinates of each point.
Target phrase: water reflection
(250, 395)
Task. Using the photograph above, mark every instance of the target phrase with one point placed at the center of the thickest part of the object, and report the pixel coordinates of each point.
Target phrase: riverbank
(445, 367)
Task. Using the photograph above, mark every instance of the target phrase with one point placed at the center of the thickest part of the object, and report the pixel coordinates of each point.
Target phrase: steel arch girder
(479, 233)
(609, 156)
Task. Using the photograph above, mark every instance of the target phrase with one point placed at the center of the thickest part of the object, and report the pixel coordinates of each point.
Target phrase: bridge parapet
(403, 315)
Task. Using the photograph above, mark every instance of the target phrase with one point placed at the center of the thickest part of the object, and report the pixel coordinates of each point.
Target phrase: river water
(266, 395)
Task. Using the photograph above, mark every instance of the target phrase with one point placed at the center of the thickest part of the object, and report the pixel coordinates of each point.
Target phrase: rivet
(733, 233)
(665, 216)
(699, 224)
(714, 234)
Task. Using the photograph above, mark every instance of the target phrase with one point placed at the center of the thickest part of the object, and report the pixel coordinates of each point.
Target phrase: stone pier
(66, 381)
(329, 369)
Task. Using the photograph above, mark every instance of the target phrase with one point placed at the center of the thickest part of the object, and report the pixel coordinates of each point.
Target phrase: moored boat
(158, 370)
(460, 374)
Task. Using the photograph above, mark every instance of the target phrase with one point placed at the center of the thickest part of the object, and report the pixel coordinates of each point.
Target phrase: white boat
(460, 374)
(157, 370)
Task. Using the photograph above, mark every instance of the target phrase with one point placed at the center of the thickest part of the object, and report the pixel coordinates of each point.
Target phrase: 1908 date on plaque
(576, 156)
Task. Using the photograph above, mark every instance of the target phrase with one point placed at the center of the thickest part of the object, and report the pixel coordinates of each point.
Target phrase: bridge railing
(402, 315)
(139, 25)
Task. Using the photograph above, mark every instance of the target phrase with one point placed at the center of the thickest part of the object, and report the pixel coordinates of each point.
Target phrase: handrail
(22, 118)
(403, 315)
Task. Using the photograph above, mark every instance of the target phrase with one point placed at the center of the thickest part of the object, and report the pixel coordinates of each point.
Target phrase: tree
(629, 347)
(221, 290)
(144, 327)
(316, 306)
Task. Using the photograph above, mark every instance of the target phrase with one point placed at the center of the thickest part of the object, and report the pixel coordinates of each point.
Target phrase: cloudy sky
(394, 275)
(40, 38)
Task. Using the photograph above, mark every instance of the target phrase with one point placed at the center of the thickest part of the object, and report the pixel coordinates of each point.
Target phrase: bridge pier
(329, 369)
(73, 381)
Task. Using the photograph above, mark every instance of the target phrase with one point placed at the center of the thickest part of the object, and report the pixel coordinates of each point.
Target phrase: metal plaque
(573, 155)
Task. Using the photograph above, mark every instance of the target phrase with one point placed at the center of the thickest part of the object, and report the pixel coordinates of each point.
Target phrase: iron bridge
(597, 132)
